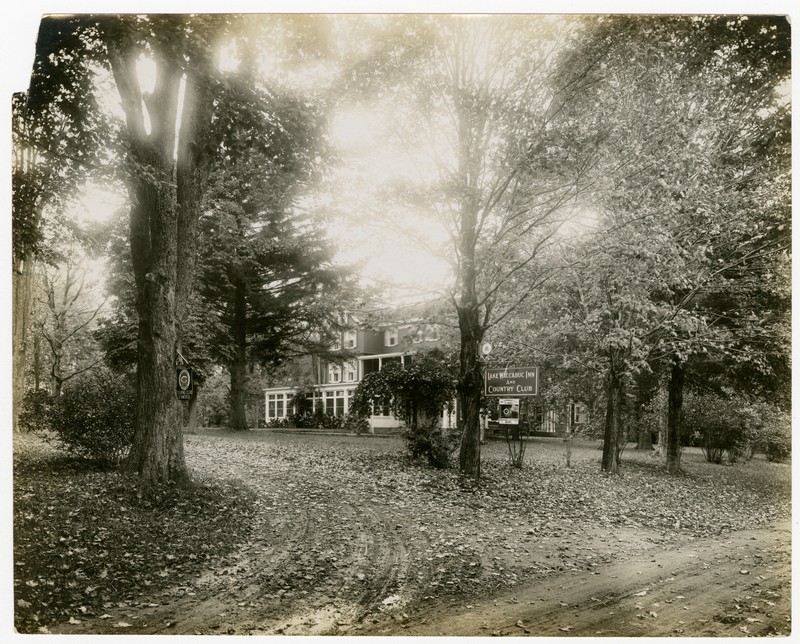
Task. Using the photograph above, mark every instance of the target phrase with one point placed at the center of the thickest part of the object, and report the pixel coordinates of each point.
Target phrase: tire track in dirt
(734, 585)
(292, 576)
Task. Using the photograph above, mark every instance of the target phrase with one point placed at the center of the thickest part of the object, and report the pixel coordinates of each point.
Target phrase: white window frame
(350, 339)
(390, 337)
(580, 414)
(334, 373)
(350, 371)
(277, 406)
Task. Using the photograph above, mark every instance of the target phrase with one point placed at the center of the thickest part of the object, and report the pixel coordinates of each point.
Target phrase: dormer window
(334, 373)
(350, 339)
(390, 337)
(350, 371)
(418, 336)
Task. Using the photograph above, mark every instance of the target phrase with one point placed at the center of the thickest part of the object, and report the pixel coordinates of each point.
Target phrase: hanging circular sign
(184, 379)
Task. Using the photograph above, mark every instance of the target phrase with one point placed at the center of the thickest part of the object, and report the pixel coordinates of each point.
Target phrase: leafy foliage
(36, 410)
(771, 430)
(57, 128)
(430, 442)
(93, 418)
(731, 428)
(686, 256)
(416, 395)
(266, 275)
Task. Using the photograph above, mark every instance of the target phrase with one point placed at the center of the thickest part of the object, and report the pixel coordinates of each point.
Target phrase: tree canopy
(608, 194)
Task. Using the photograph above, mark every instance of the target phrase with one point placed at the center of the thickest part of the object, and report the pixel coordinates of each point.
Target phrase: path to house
(332, 557)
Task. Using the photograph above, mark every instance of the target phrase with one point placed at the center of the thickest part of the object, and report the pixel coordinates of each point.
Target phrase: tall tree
(56, 130)
(66, 295)
(477, 103)
(267, 273)
(169, 138)
(680, 191)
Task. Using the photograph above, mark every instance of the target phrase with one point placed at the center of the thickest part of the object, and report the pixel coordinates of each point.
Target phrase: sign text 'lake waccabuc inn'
(511, 381)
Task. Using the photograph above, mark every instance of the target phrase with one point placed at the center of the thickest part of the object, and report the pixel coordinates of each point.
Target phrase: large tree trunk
(661, 448)
(157, 450)
(613, 426)
(167, 176)
(469, 393)
(238, 414)
(22, 294)
(470, 381)
(675, 418)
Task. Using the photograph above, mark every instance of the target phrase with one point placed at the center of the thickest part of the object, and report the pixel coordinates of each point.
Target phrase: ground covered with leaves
(337, 534)
(86, 544)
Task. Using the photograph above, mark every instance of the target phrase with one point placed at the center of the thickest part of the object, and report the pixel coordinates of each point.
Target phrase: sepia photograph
(400, 322)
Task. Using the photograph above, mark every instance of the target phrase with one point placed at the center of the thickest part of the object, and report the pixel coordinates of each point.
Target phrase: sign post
(511, 381)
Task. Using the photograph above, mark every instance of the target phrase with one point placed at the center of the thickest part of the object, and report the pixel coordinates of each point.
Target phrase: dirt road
(732, 586)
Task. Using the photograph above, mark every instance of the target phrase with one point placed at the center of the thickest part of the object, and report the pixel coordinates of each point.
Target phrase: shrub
(773, 432)
(94, 418)
(34, 416)
(356, 423)
(301, 421)
(430, 442)
(324, 420)
(416, 395)
(708, 421)
(318, 420)
(734, 429)
(777, 444)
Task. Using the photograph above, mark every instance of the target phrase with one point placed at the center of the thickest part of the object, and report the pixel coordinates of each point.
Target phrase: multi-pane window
(317, 401)
(329, 403)
(276, 406)
(580, 414)
(350, 339)
(550, 421)
(390, 337)
(340, 403)
(334, 373)
(350, 371)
